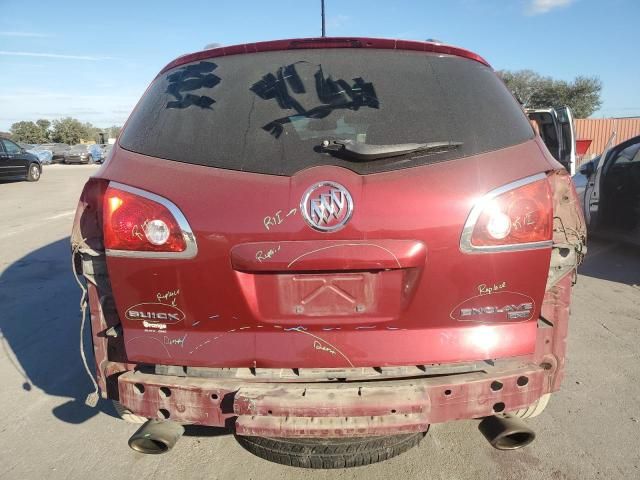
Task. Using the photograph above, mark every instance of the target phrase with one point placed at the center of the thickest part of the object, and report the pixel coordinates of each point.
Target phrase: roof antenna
(324, 33)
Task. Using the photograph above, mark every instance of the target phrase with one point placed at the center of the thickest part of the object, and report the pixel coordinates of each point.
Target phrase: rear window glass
(270, 112)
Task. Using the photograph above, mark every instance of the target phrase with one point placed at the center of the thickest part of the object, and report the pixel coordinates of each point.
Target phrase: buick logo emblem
(326, 206)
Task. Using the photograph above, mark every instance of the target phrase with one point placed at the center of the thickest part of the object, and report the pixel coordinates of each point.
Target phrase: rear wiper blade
(364, 151)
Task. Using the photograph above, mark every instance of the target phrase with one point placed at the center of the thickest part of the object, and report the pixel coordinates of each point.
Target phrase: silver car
(609, 189)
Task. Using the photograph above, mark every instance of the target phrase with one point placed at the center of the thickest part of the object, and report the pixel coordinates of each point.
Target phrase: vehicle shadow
(40, 329)
(612, 261)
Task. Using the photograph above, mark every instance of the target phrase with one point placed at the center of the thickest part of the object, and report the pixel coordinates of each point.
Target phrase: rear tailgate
(266, 290)
(236, 144)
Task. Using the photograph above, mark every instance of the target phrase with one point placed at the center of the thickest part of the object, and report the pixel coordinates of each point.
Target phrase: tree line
(536, 91)
(65, 130)
(530, 88)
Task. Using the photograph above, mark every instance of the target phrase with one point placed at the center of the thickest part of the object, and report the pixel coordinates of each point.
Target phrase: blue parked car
(82, 153)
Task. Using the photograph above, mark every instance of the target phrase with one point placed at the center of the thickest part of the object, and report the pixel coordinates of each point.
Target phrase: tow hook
(506, 432)
(156, 436)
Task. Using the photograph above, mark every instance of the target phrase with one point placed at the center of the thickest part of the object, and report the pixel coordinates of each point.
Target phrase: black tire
(34, 172)
(329, 452)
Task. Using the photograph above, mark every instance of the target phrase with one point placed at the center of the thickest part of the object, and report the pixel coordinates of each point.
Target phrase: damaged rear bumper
(279, 406)
(314, 409)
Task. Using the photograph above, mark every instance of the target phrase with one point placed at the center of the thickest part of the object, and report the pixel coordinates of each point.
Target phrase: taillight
(514, 217)
(140, 223)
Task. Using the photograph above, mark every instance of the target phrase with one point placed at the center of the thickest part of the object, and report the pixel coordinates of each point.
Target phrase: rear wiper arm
(364, 151)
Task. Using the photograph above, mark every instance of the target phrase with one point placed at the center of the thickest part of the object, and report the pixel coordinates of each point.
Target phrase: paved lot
(590, 430)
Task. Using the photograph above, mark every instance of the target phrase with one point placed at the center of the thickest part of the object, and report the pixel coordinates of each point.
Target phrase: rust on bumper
(332, 409)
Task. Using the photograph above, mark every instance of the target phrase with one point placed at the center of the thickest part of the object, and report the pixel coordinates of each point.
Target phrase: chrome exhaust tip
(506, 432)
(156, 436)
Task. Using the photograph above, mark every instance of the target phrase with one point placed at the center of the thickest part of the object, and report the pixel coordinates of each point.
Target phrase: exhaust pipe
(156, 436)
(506, 432)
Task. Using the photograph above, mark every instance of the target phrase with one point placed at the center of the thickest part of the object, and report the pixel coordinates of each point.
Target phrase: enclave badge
(326, 206)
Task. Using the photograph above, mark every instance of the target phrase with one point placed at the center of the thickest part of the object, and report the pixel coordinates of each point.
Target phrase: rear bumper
(334, 409)
(280, 406)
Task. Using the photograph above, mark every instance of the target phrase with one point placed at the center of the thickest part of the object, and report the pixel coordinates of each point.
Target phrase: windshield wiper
(364, 151)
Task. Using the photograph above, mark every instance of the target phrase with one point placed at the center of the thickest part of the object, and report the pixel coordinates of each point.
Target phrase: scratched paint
(319, 344)
(357, 245)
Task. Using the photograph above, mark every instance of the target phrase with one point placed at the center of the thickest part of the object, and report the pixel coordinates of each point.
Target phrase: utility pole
(324, 33)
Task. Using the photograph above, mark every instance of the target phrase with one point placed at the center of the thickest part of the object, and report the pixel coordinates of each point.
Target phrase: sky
(93, 60)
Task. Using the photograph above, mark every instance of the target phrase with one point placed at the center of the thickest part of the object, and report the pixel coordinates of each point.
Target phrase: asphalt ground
(590, 430)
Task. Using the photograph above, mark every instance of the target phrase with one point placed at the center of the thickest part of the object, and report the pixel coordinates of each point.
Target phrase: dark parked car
(16, 162)
(57, 150)
(83, 154)
(106, 150)
(326, 245)
(609, 191)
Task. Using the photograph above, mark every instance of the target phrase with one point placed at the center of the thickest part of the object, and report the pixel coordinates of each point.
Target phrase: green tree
(114, 131)
(92, 132)
(69, 130)
(44, 124)
(535, 91)
(28, 132)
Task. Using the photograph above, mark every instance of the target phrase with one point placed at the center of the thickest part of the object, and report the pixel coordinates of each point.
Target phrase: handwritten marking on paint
(179, 341)
(319, 343)
(485, 289)
(318, 346)
(277, 218)
(169, 296)
(262, 255)
(136, 232)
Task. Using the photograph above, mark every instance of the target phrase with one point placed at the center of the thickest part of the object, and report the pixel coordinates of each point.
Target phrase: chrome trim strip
(467, 231)
(189, 238)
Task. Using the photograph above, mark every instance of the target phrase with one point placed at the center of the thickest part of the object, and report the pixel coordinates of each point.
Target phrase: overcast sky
(93, 60)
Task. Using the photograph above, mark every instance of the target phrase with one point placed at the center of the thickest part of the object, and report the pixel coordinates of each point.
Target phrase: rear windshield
(270, 112)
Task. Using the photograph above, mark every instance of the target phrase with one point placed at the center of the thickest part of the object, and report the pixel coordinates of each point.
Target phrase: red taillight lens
(135, 223)
(521, 215)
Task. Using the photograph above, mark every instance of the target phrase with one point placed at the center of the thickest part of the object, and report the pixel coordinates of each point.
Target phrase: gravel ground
(590, 429)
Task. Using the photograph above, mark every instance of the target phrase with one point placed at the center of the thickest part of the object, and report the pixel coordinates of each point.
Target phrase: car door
(546, 121)
(557, 130)
(567, 137)
(4, 162)
(593, 189)
(16, 160)
(620, 187)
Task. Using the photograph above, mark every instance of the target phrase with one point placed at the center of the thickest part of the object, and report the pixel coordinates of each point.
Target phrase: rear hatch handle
(326, 255)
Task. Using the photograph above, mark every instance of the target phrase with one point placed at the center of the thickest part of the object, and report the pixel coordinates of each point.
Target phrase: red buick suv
(325, 246)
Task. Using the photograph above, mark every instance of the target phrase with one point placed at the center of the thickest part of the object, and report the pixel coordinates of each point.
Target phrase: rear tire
(330, 452)
(126, 414)
(33, 175)
(534, 409)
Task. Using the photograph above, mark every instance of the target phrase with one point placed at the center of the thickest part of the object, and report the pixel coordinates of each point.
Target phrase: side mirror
(587, 169)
